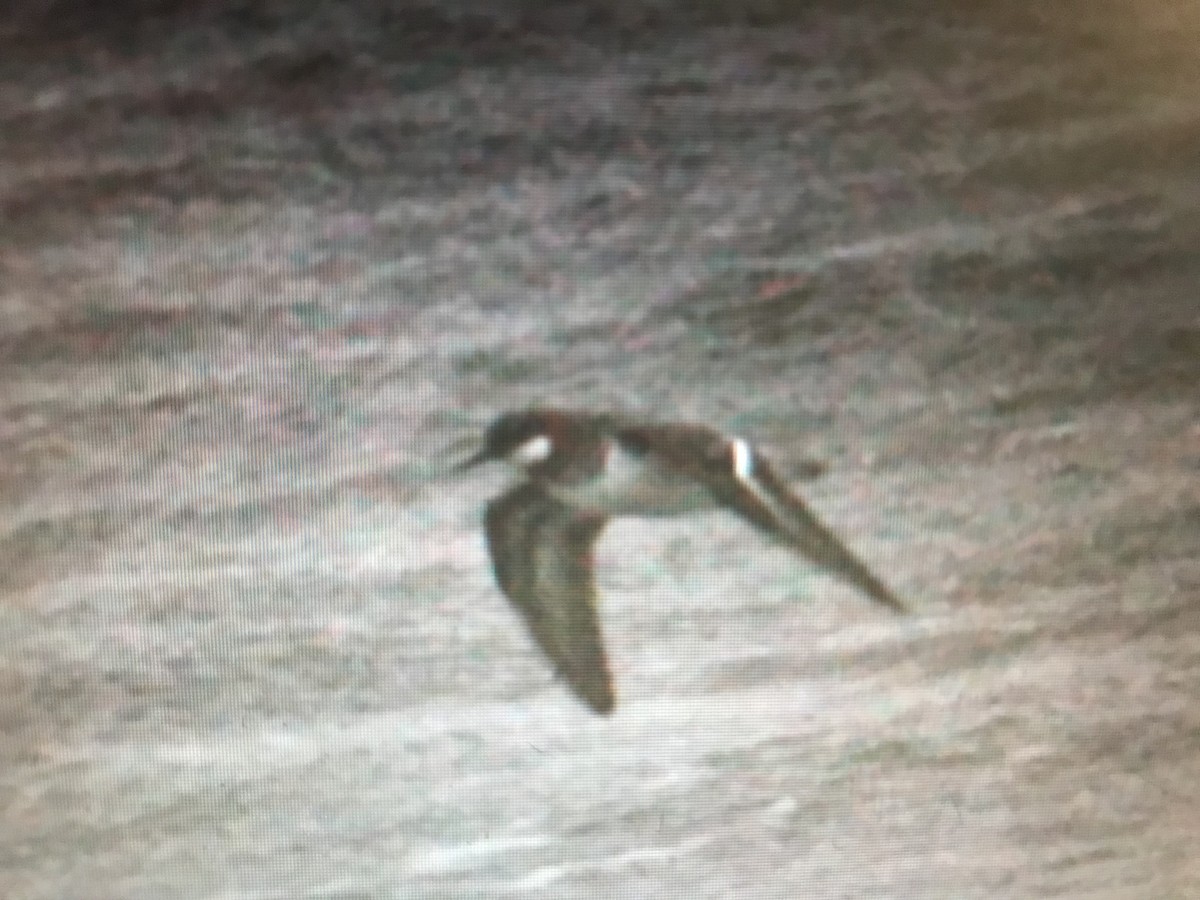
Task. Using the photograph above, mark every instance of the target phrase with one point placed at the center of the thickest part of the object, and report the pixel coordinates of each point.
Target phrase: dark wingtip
(862, 578)
(598, 695)
(603, 706)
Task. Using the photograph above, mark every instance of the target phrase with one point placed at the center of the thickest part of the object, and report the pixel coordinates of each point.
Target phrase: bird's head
(520, 438)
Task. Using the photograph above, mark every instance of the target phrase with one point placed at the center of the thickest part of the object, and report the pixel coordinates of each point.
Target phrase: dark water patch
(1130, 240)
(1102, 552)
(1162, 362)
(137, 188)
(760, 308)
(1037, 107)
(1143, 362)
(1146, 535)
(496, 366)
(43, 549)
(109, 334)
(1112, 153)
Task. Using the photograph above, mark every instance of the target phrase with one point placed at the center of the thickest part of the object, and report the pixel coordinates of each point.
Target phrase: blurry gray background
(265, 269)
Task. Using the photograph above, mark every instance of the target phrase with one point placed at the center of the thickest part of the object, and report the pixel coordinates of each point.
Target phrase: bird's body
(628, 483)
(583, 468)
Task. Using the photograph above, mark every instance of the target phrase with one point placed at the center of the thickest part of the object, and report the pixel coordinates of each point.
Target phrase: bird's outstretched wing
(748, 485)
(542, 554)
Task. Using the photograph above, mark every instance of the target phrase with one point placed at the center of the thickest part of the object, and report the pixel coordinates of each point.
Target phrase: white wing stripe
(743, 459)
(743, 470)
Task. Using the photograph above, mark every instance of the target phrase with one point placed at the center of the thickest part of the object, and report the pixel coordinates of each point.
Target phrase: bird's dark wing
(542, 554)
(759, 495)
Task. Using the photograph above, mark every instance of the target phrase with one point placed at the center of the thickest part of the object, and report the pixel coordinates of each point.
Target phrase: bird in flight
(581, 469)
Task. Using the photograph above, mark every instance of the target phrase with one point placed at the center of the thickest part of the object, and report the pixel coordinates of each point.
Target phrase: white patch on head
(535, 450)
(743, 459)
